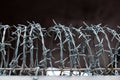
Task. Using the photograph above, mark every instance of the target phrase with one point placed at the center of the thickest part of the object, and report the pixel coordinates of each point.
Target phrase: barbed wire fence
(24, 50)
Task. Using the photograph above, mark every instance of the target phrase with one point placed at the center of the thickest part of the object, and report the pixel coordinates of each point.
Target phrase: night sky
(65, 12)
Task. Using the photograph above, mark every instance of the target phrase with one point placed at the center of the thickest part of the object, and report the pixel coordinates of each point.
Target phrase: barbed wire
(26, 49)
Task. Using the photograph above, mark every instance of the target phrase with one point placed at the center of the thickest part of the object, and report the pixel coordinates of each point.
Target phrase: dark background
(65, 12)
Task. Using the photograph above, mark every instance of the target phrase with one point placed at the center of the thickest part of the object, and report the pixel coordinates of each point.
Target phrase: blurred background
(65, 12)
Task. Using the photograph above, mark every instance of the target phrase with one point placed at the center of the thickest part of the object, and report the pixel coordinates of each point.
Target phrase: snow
(56, 72)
